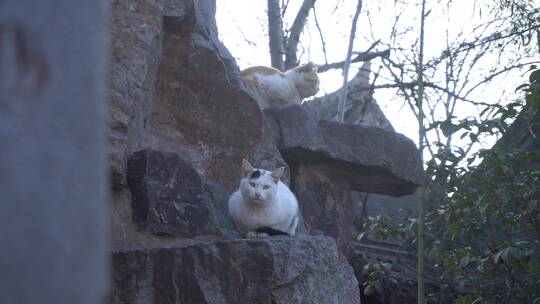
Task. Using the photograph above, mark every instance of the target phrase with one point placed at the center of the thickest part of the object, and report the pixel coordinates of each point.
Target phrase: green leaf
(448, 128)
(464, 261)
(484, 111)
(535, 75)
(521, 86)
(366, 269)
(369, 290)
(497, 257)
(501, 255)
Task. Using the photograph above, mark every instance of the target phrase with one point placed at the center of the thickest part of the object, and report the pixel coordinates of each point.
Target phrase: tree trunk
(275, 34)
(296, 29)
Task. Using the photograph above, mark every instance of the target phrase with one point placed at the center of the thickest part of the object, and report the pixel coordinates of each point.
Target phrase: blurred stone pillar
(52, 170)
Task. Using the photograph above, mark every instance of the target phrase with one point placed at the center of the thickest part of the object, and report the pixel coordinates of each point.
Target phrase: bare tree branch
(284, 6)
(347, 63)
(466, 46)
(412, 85)
(371, 47)
(275, 34)
(294, 35)
(321, 35)
(502, 71)
(361, 57)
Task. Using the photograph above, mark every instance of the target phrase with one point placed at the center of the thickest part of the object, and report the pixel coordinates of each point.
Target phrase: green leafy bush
(482, 226)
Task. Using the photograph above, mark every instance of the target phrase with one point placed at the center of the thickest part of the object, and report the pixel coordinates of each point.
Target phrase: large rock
(325, 202)
(328, 160)
(377, 161)
(280, 270)
(168, 196)
(174, 88)
(266, 154)
(202, 109)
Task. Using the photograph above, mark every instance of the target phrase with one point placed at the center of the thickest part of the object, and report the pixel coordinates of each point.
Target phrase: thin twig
(341, 105)
(321, 35)
(360, 57)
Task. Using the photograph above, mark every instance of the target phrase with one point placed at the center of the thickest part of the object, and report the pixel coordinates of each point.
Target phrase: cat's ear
(310, 66)
(277, 174)
(247, 168)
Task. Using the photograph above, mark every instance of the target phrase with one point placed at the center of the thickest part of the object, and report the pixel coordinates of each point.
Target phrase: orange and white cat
(272, 88)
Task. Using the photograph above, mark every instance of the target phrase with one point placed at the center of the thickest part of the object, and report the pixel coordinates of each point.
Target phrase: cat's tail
(293, 225)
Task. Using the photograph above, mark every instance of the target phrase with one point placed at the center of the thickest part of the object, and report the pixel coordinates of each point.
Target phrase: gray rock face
(328, 160)
(174, 88)
(168, 196)
(266, 154)
(202, 108)
(280, 270)
(325, 202)
(376, 160)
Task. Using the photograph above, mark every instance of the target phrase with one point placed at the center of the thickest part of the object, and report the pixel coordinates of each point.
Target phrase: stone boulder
(266, 154)
(280, 270)
(202, 109)
(325, 203)
(328, 160)
(167, 196)
(377, 161)
(174, 88)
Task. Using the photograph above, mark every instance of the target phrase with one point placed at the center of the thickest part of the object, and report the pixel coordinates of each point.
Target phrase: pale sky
(243, 30)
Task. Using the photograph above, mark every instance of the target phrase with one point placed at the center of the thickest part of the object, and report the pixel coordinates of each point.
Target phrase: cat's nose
(257, 195)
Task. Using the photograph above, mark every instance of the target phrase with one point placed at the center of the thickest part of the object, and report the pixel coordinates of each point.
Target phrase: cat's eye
(252, 184)
(265, 187)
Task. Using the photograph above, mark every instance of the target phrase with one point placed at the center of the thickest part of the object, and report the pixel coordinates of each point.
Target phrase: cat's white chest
(280, 213)
(253, 217)
(275, 86)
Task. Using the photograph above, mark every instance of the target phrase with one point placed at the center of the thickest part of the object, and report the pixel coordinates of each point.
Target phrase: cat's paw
(251, 235)
(262, 235)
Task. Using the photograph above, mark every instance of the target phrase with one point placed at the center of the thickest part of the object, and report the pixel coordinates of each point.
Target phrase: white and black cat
(263, 205)
(273, 88)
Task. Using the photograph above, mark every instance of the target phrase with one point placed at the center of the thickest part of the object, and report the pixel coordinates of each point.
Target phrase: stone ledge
(302, 269)
(378, 161)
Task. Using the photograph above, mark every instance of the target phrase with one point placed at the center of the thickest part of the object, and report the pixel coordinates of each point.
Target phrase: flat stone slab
(377, 160)
(277, 270)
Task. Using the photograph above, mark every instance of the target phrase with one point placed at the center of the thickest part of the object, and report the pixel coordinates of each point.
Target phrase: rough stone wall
(281, 270)
(174, 88)
(326, 202)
